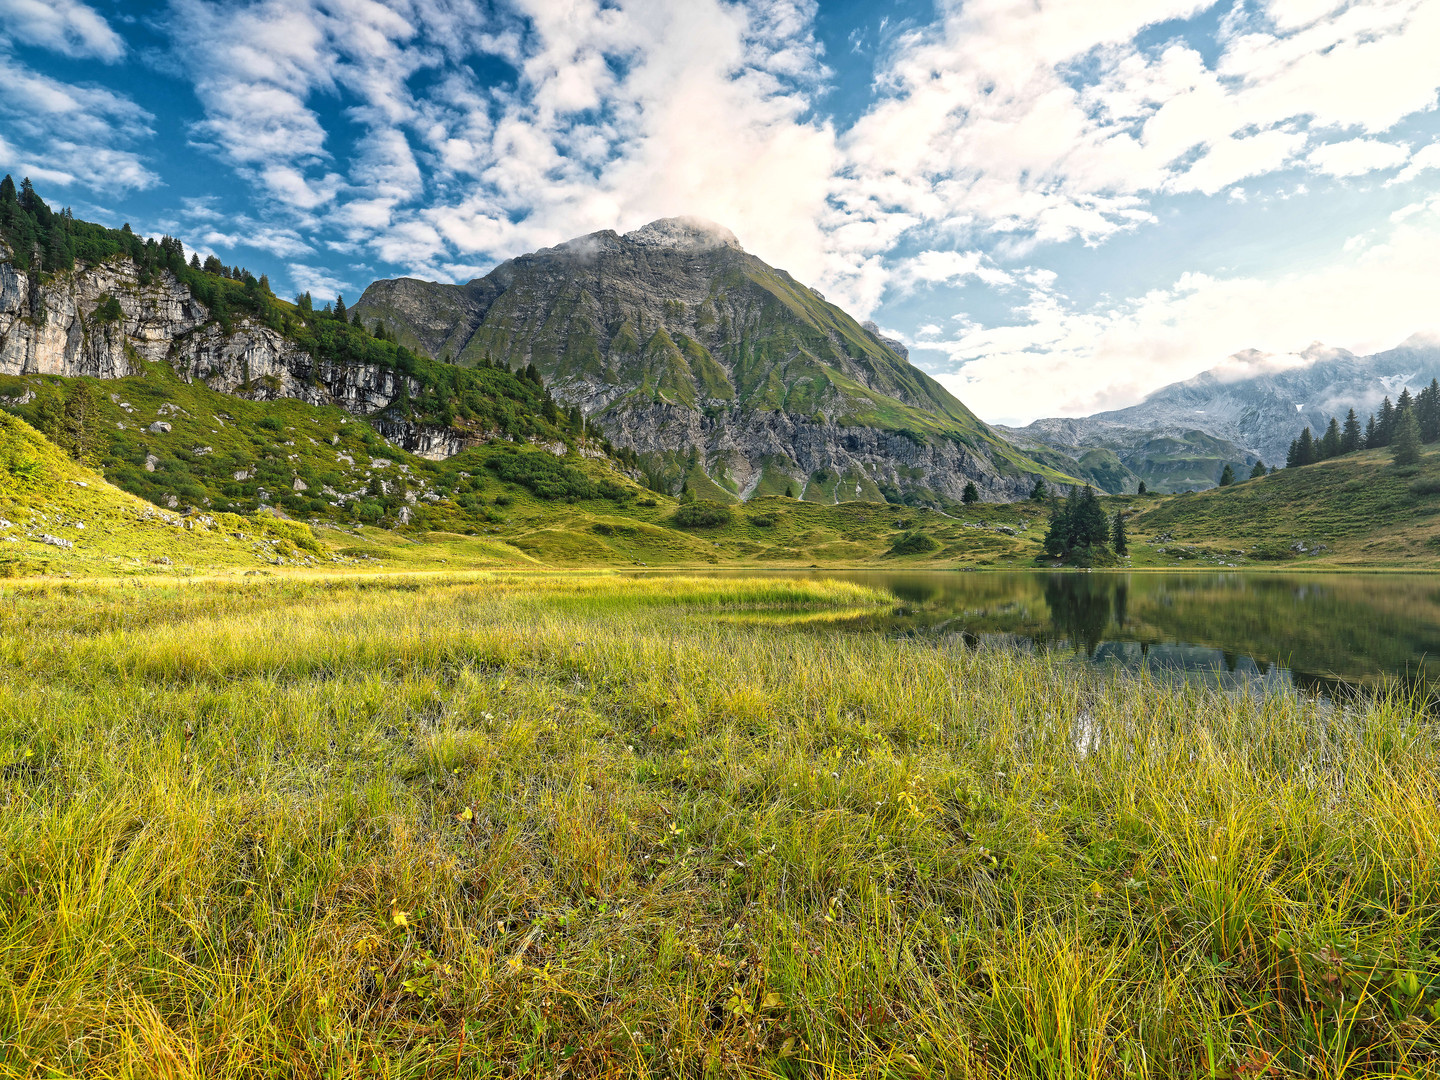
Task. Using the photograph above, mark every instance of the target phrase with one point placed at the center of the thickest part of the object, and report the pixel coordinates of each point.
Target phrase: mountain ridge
(718, 369)
(1243, 416)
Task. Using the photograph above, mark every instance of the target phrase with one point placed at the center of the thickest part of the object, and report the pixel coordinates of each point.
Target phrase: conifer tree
(1405, 446)
(1305, 449)
(1330, 443)
(1350, 435)
(1142, 489)
(1117, 534)
(1039, 492)
(1404, 403)
(194, 261)
(1372, 433)
(1386, 427)
(789, 491)
(339, 312)
(1227, 475)
(971, 493)
(1427, 412)
(7, 189)
(1258, 471)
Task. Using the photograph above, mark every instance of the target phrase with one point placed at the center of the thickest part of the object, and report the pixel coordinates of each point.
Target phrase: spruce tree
(1227, 475)
(1142, 489)
(1258, 471)
(1427, 413)
(971, 493)
(1386, 427)
(1350, 435)
(789, 491)
(1330, 443)
(1305, 449)
(1090, 529)
(1372, 433)
(339, 311)
(1292, 456)
(1039, 492)
(1405, 446)
(1117, 534)
(1057, 536)
(7, 189)
(194, 261)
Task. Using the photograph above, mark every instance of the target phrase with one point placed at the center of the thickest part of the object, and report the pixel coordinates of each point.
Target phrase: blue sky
(1060, 204)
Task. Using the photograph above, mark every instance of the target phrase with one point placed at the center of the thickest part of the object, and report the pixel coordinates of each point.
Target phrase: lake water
(1317, 632)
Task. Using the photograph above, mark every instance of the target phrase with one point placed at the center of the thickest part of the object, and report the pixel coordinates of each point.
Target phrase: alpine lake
(1329, 634)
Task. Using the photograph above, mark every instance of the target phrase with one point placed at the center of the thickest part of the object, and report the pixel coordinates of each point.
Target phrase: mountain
(1247, 409)
(722, 373)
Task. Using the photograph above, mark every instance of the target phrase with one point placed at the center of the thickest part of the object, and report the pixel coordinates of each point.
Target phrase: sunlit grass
(509, 824)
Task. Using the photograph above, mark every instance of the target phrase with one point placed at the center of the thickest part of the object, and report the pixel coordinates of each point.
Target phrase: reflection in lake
(1319, 632)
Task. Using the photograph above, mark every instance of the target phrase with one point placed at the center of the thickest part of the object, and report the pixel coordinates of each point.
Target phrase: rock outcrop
(102, 321)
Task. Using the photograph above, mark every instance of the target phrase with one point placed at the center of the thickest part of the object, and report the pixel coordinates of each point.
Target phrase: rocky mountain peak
(688, 233)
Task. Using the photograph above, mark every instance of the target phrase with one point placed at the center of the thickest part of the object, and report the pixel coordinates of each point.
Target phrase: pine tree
(7, 189)
(1227, 475)
(1404, 403)
(339, 311)
(971, 493)
(1350, 435)
(789, 491)
(1258, 471)
(1330, 442)
(213, 266)
(1090, 529)
(1117, 534)
(28, 199)
(1427, 412)
(80, 421)
(1305, 449)
(1386, 427)
(1405, 447)
(1039, 492)
(194, 261)
(265, 284)
(1372, 433)
(1142, 489)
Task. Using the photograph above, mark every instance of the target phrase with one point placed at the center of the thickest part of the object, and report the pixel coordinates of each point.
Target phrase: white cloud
(1068, 362)
(1356, 157)
(949, 267)
(68, 134)
(64, 26)
(1427, 157)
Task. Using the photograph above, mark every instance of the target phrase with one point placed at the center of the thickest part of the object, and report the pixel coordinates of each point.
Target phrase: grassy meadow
(504, 824)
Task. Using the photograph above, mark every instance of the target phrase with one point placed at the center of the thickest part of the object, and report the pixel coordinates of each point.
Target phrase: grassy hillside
(1355, 510)
(518, 825)
(60, 517)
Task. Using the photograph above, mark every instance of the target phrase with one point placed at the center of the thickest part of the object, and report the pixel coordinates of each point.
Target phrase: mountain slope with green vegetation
(673, 339)
(59, 517)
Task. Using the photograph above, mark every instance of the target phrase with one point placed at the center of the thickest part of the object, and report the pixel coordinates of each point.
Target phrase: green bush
(703, 515)
(914, 542)
(1429, 485)
(764, 521)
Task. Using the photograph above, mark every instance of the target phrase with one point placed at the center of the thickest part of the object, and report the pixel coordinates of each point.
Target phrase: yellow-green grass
(1360, 510)
(64, 518)
(584, 825)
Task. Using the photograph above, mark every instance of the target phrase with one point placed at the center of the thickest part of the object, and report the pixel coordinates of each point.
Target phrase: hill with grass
(58, 516)
(725, 375)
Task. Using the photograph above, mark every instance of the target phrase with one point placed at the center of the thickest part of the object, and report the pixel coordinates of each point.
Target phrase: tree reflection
(1082, 606)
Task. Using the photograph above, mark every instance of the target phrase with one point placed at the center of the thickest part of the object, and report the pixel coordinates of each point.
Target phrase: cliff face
(69, 326)
(675, 340)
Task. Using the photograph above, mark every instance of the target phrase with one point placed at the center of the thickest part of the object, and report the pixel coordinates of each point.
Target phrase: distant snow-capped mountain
(1248, 408)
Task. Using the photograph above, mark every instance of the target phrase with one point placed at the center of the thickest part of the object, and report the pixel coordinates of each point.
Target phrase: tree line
(1403, 426)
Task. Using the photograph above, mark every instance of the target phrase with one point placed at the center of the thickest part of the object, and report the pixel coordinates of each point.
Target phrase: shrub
(914, 542)
(603, 528)
(703, 515)
(1429, 485)
(764, 521)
